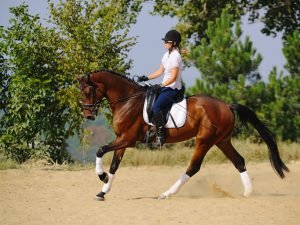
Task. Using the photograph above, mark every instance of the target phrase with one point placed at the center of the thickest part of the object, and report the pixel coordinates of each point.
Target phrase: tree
(291, 52)
(277, 16)
(224, 57)
(4, 82)
(283, 109)
(226, 63)
(193, 15)
(93, 35)
(32, 121)
(228, 66)
(38, 65)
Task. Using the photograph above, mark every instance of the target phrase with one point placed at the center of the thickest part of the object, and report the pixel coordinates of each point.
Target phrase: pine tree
(283, 107)
(227, 65)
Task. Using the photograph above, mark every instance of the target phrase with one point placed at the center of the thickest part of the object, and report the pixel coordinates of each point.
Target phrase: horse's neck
(118, 87)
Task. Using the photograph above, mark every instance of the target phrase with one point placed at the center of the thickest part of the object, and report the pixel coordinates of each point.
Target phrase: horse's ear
(78, 77)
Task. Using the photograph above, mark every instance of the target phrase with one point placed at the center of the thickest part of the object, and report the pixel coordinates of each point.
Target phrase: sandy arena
(211, 197)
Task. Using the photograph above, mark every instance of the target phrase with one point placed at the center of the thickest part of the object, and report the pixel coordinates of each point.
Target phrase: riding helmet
(174, 36)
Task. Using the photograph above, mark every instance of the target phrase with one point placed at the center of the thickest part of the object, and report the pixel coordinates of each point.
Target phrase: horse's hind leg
(195, 164)
(118, 155)
(239, 163)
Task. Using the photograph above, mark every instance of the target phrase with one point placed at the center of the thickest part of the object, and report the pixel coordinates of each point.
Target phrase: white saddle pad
(178, 112)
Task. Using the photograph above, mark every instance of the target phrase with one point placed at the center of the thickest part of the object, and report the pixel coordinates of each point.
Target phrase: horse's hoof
(162, 197)
(100, 196)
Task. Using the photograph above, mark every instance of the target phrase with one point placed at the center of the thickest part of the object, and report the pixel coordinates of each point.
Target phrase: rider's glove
(156, 88)
(143, 78)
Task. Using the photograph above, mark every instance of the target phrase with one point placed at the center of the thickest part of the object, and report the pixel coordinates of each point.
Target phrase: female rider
(171, 66)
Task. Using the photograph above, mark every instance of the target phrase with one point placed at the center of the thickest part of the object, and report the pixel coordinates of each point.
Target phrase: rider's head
(173, 37)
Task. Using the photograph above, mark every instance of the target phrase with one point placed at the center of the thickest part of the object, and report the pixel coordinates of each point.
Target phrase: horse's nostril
(90, 117)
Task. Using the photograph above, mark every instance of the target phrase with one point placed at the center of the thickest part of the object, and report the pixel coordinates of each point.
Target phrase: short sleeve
(175, 61)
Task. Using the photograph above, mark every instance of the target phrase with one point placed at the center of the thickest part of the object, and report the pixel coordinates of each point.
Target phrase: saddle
(175, 115)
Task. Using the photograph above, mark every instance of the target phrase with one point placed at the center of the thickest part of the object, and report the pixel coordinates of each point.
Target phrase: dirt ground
(213, 196)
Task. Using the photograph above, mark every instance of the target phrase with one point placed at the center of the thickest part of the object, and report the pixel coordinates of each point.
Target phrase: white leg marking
(175, 188)
(247, 183)
(99, 166)
(106, 187)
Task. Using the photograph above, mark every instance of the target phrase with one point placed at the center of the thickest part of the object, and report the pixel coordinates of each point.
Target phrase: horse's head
(92, 96)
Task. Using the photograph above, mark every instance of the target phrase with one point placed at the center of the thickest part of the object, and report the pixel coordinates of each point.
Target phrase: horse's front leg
(108, 180)
(116, 145)
(103, 176)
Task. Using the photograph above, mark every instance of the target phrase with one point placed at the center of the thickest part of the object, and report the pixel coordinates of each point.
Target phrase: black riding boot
(158, 120)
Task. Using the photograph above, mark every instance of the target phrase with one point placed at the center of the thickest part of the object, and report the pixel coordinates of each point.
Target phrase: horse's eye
(87, 91)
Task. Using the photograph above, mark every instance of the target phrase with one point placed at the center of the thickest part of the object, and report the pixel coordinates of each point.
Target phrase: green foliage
(4, 80)
(291, 52)
(283, 109)
(277, 16)
(93, 35)
(228, 71)
(39, 95)
(33, 121)
(193, 15)
(223, 57)
(227, 65)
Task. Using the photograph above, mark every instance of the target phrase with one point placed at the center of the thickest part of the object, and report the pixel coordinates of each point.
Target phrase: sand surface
(213, 196)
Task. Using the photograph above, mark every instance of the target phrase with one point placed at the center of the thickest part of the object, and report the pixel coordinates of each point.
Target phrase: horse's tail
(248, 116)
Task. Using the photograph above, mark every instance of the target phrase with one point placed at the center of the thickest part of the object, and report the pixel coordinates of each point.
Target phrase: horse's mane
(131, 80)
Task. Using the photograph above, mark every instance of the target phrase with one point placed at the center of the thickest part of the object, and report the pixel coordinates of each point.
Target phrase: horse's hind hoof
(163, 196)
(100, 199)
(100, 196)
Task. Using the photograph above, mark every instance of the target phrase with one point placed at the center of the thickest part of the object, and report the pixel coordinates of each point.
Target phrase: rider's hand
(142, 78)
(156, 88)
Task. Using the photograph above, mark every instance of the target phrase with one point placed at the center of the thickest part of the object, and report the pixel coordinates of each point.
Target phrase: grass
(180, 155)
(176, 155)
(8, 164)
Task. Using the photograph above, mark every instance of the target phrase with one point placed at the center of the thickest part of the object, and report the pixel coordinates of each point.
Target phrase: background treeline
(229, 71)
(39, 97)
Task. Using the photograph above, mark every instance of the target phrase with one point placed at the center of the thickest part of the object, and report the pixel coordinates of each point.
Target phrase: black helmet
(174, 36)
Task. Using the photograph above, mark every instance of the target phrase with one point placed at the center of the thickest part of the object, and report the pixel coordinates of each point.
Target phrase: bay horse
(210, 120)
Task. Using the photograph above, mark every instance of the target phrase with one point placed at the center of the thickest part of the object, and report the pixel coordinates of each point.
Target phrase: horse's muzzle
(89, 115)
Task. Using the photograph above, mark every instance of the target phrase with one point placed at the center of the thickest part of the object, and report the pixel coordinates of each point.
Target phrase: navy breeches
(165, 99)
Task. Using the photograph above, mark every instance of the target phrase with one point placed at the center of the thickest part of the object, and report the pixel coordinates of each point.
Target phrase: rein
(126, 98)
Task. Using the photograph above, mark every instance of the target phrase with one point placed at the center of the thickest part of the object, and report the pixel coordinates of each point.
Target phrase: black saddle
(151, 98)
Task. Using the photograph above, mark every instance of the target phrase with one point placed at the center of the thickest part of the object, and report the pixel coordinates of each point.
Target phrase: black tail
(248, 116)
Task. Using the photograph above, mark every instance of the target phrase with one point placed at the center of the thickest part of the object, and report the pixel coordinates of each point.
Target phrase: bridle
(93, 107)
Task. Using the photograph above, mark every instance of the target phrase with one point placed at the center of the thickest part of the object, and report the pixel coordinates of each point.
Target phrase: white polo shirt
(169, 61)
